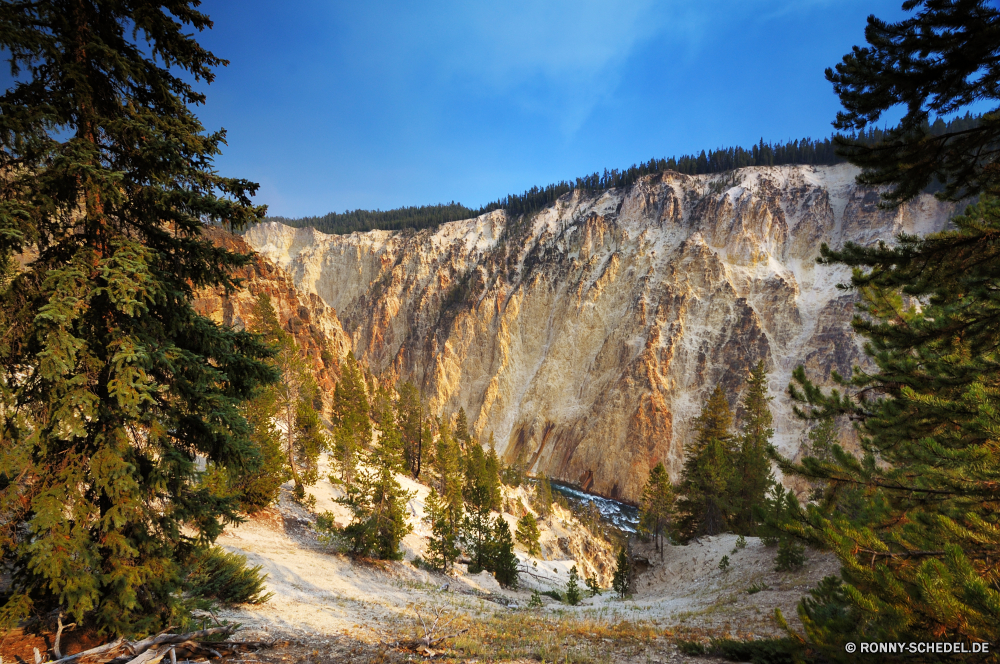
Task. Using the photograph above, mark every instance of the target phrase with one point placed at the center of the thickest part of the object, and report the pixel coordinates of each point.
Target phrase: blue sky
(338, 105)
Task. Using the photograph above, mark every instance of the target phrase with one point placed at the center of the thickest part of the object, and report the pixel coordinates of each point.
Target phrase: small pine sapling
(622, 580)
(791, 555)
(593, 586)
(573, 594)
(724, 564)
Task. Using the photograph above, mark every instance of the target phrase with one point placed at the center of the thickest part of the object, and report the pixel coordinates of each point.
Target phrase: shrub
(593, 586)
(536, 600)
(724, 564)
(216, 574)
(554, 594)
(791, 555)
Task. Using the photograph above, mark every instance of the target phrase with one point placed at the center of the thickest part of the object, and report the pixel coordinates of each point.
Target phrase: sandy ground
(322, 597)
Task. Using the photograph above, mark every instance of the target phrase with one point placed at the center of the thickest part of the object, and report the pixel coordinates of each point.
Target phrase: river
(618, 515)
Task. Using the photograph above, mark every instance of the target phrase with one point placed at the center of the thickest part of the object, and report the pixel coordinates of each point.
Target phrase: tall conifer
(113, 385)
(704, 507)
(752, 476)
(919, 558)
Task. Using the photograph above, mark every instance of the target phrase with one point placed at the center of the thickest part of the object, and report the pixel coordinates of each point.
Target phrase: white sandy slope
(317, 591)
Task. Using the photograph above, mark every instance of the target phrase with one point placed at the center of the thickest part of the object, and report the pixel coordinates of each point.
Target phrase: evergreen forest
(806, 151)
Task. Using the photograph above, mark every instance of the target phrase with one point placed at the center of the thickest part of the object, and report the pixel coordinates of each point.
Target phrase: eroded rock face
(312, 323)
(588, 337)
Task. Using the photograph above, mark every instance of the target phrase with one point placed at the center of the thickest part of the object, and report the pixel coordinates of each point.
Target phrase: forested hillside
(805, 151)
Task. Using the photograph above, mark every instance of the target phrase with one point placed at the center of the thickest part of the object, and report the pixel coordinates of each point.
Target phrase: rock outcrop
(312, 323)
(587, 336)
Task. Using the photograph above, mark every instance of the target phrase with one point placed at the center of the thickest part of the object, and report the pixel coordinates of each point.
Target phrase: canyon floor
(327, 606)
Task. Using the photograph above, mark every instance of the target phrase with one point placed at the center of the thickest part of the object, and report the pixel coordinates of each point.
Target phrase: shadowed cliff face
(588, 336)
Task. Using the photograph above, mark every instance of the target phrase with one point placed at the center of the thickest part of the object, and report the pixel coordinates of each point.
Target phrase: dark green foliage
(622, 580)
(760, 651)
(527, 533)
(656, 510)
(692, 648)
(378, 504)
(294, 399)
(424, 216)
(724, 564)
(704, 506)
(512, 475)
(791, 555)
(502, 561)
(462, 434)
(752, 477)
(554, 594)
(936, 62)
(352, 431)
(216, 574)
(593, 586)
(915, 519)
(573, 594)
(390, 436)
(755, 588)
(409, 415)
(112, 384)
(542, 500)
(447, 509)
(442, 549)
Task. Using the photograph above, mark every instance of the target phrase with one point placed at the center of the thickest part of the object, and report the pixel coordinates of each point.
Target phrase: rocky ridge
(587, 336)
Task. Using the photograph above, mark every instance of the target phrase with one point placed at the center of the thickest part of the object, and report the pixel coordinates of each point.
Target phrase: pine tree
(442, 549)
(492, 469)
(573, 594)
(390, 434)
(352, 426)
(656, 511)
(477, 527)
(448, 480)
(112, 384)
(622, 580)
(939, 60)
(704, 505)
(462, 434)
(918, 549)
(919, 553)
(409, 414)
(502, 561)
(295, 398)
(527, 533)
(543, 496)
(753, 476)
(378, 503)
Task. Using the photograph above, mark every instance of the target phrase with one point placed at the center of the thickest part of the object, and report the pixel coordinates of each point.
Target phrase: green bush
(759, 651)
(724, 564)
(791, 555)
(216, 574)
(554, 594)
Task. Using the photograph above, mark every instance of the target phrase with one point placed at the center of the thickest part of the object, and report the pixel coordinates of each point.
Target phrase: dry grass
(600, 637)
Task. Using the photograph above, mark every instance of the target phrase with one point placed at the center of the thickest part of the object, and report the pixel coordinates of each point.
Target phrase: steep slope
(312, 323)
(588, 336)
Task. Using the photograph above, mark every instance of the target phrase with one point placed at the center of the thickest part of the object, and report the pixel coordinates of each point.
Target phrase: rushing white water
(619, 515)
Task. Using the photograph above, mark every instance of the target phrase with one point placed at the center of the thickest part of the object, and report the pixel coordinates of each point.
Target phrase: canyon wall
(314, 325)
(586, 337)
